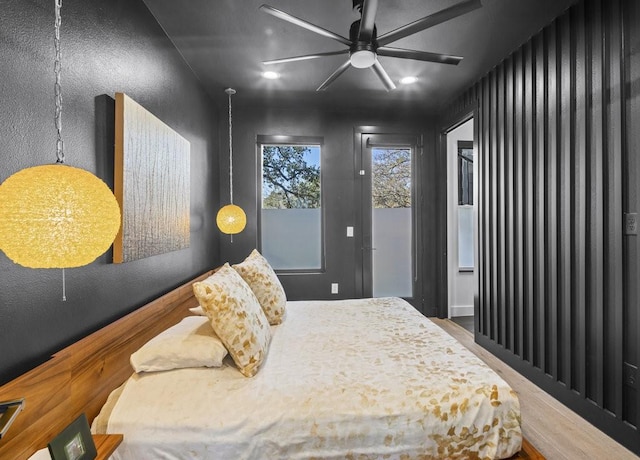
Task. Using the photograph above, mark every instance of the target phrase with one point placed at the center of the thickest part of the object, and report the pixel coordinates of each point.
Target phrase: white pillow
(198, 310)
(190, 343)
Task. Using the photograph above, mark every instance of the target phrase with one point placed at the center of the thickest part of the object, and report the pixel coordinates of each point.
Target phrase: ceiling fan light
(362, 59)
(270, 75)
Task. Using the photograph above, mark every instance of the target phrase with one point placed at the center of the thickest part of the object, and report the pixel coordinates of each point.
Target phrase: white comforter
(354, 379)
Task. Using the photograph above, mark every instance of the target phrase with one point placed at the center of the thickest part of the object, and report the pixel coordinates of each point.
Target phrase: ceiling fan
(364, 44)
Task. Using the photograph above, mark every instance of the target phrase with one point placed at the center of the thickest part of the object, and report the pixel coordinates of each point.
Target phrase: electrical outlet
(349, 232)
(334, 288)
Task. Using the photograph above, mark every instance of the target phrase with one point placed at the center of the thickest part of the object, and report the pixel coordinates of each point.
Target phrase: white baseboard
(460, 310)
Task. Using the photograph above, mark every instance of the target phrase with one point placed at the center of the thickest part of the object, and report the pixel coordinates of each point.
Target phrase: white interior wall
(460, 287)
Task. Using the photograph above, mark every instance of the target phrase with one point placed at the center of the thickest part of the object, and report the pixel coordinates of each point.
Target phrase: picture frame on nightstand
(9, 410)
(74, 442)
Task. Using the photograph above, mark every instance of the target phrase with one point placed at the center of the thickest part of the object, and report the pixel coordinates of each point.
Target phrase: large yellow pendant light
(56, 216)
(231, 219)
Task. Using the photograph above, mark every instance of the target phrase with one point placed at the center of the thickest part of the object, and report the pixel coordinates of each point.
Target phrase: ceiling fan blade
(429, 21)
(419, 55)
(304, 58)
(339, 71)
(304, 24)
(384, 77)
(367, 22)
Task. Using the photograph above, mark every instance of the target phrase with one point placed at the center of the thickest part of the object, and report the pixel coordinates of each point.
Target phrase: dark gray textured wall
(107, 47)
(558, 169)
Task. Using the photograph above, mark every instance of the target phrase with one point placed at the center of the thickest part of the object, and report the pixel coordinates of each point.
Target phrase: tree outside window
(290, 177)
(291, 215)
(392, 173)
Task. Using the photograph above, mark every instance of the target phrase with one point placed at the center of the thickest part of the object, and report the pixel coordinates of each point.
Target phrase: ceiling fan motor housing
(371, 45)
(354, 30)
(362, 54)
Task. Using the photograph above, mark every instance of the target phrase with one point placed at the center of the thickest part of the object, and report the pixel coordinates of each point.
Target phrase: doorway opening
(461, 227)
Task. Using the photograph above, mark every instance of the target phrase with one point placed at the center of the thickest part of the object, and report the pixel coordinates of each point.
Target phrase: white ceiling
(225, 42)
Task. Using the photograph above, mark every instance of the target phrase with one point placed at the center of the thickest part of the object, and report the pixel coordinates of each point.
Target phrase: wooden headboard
(80, 377)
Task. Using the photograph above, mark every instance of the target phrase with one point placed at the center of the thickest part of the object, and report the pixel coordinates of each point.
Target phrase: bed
(362, 378)
(366, 378)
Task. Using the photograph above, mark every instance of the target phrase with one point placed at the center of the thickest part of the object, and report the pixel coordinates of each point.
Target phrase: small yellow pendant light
(231, 219)
(56, 216)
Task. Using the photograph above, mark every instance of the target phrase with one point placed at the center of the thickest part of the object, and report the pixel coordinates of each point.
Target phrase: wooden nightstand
(106, 444)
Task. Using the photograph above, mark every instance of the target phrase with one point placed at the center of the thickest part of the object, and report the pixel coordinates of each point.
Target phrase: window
(291, 204)
(465, 172)
(465, 206)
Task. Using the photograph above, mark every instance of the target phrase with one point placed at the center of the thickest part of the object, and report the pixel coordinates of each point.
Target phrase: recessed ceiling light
(271, 75)
(408, 80)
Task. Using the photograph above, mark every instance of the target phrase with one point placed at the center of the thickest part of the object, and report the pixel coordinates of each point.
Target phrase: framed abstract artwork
(152, 184)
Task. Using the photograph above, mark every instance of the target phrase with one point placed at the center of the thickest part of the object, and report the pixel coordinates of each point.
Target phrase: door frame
(361, 135)
(443, 230)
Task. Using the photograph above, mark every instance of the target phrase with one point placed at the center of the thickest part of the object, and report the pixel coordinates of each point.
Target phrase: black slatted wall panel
(557, 276)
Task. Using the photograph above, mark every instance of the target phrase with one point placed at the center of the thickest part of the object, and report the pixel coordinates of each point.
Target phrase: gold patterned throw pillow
(236, 317)
(264, 283)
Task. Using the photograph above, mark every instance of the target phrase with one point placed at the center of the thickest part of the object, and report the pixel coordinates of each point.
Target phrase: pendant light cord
(64, 287)
(230, 153)
(57, 67)
(230, 91)
(57, 89)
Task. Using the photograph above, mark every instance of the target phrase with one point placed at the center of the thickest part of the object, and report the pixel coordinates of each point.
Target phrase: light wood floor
(555, 430)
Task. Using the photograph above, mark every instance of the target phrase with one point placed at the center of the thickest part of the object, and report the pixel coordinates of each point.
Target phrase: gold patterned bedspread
(354, 379)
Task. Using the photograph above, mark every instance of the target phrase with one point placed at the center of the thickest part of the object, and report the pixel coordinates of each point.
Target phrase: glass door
(389, 217)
